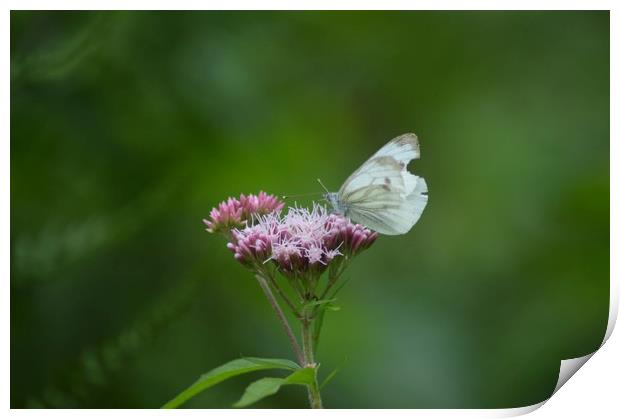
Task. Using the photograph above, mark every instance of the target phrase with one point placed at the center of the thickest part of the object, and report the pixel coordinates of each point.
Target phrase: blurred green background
(127, 127)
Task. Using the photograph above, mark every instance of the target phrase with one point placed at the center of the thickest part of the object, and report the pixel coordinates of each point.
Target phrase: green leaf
(259, 390)
(269, 386)
(274, 362)
(229, 370)
(305, 376)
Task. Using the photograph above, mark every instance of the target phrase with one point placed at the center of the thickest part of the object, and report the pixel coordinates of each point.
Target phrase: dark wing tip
(407, 138)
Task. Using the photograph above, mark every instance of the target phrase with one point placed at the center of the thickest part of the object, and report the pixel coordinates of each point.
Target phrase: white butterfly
(382, 194)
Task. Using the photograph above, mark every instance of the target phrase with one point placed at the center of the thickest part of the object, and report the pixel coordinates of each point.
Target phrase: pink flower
(236, 213)
(301, 242)
(250, 246)
(351, 238)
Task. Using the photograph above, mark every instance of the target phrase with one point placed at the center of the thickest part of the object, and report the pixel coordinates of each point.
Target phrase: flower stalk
(299, 246)
(314, 394)
(285, 324)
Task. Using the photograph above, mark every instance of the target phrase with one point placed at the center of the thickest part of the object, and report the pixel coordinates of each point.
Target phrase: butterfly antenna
(300, 195)
(323, 186)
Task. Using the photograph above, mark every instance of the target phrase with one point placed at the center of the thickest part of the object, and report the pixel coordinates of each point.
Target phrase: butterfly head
(333, 198)
(338, 207)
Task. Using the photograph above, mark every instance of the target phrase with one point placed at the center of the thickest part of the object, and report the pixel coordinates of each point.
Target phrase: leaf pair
(255, 391)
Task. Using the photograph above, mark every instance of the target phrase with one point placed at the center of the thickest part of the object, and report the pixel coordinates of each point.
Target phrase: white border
(312, 5)
(593, 392)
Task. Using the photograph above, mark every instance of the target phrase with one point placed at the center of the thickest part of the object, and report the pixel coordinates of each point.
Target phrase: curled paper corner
(519, 411)
(568, 367)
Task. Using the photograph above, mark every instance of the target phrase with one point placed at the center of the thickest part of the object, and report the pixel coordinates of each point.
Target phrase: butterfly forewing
(382, 172)
(403, 148)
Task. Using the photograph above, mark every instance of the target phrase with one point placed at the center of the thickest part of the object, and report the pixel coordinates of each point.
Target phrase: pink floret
(237, 213)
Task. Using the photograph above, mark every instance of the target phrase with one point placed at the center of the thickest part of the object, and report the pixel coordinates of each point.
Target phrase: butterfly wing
(382, 194)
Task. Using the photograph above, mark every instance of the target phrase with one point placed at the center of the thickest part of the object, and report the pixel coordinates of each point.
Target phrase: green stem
(319, 312)
(287, 327)
(314, 394)
(317, 329)
(306, 341)
(282, 294)
(333, 276)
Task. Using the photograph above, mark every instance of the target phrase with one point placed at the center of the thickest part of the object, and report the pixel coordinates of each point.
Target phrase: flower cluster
(236, 213)
(302, 241)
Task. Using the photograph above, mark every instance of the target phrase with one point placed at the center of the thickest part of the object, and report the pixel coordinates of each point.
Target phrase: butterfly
(382, 194)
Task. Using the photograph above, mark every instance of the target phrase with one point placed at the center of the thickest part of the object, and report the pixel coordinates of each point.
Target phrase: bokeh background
(127, 127)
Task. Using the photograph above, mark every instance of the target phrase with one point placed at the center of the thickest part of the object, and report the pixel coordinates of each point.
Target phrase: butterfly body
(338, 207)
(382, 194)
